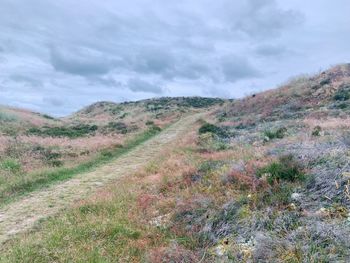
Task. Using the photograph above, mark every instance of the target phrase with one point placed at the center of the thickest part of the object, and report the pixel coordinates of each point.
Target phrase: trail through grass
(12, 189)
(21, 215)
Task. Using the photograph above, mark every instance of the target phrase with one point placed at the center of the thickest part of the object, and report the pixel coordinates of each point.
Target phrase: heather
(260, 179)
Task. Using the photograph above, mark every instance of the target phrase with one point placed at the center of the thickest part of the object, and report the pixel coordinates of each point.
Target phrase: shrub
(55, 163)
(46, 116)
(211, 128)
(342, 94)
(316, 131)
(62, 131)
(276, 134)
(325, 81)
(209, 142)
(285, 169)
(155, 128)
(118, 127)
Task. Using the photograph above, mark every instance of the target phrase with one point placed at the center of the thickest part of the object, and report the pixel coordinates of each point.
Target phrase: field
(261, 179)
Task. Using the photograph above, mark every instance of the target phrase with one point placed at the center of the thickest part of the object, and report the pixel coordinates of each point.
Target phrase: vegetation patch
(6, 117)
(285, 169)
(10, 165)
(62, 131)
(211, 128)
(316, 131)
(343, 94)
(275, 134)
(35, 181)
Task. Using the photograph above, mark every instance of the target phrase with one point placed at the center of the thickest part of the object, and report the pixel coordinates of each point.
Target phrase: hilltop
(259, 179)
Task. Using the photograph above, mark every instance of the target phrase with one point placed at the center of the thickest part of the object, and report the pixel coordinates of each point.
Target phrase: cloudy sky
(57, 56)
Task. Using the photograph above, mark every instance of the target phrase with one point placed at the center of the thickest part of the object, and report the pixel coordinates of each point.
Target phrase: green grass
(28, 183)
(100, 231)
(107, 228)
(275, 134)
(285, 169)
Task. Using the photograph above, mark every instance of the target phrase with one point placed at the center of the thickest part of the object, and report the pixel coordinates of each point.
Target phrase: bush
(285, 169)
(342, 94)
(209, 142)
(316, 131)
(155, 128)
(62, 131)
(118, 127)
(211, 128)
(46, 116)
(277, 134)
(325, 81)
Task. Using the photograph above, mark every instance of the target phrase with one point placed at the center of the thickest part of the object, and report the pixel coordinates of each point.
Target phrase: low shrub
(275, 134)
(46, 116)
(148, 123)
(285, 169)
(316, 131)
(343, 94)
(209, 142)
(325, 81)
(62, 131)
(155, 129)
(211, 128)
(119, 127)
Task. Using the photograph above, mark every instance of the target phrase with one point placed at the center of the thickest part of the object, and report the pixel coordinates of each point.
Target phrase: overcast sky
(57, 56)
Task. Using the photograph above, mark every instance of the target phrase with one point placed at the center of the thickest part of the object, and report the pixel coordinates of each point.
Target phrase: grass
(94, 231)
(33, 181)
(275, 134)
(6, 117)
(111, 226)
(285, 169)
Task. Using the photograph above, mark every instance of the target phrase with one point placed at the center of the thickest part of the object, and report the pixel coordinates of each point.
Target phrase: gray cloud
(98, 50)
(271, 50)
(235, 68)
(32, 82)
(264, 18)
(138, 85)
(54, 101)
(83, 65)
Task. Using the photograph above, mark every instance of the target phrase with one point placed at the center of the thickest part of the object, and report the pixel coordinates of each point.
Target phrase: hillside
(36, 148)
(260, 179)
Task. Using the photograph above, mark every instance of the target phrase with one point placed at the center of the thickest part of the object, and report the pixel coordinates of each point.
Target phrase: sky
(58, 56)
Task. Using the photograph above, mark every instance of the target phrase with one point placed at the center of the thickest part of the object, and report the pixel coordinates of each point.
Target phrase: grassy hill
(36, 149)
(261, 179)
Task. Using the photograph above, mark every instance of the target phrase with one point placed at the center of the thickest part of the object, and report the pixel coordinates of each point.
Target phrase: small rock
(292, 207)
(296, 196)
(220, 250)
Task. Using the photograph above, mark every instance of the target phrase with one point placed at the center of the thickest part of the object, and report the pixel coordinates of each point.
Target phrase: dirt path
(20, 216)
